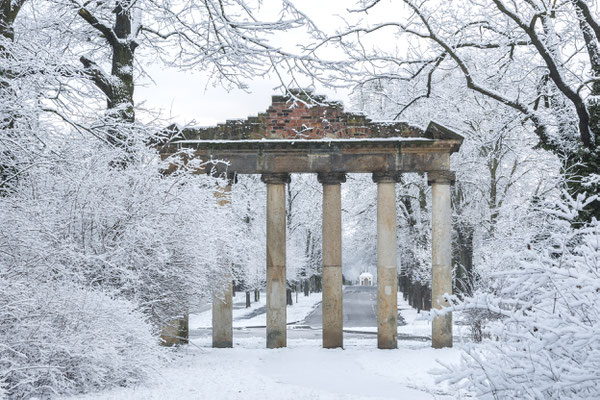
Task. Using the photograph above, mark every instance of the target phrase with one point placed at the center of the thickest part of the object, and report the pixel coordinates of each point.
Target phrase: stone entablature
(331, 141)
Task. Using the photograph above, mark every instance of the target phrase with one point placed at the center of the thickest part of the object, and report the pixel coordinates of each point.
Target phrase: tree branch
(555, 75)
(95, 73)
(108, 33)
(589, 18)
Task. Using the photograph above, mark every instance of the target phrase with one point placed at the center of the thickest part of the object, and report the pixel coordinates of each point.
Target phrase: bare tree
(537, 58)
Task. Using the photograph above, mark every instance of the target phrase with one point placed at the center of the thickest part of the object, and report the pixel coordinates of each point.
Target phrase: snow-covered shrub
(150, 238)
(546, 342)
(94, 259)
(57, 337)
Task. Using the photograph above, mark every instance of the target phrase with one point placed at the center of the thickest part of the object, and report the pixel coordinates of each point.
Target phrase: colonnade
(387, 269)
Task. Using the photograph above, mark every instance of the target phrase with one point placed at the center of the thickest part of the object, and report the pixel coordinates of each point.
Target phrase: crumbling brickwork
(289, 118)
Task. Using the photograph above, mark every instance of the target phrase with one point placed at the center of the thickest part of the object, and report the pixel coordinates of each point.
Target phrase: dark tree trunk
(427, 299)
(306, 287)
(288, 296)
(247, 299)
(464, 258)
(256, 295)
(119, 86)
(9, 9)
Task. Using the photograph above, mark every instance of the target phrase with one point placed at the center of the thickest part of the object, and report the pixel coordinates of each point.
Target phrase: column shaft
(222, 303)
(222, 316)
(332, 262)
(387, 271)
(276, 284)
(441, 277)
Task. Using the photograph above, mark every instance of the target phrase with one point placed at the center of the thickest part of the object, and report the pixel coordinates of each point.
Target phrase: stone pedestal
(441, 242)
(175, 332)
(387, 270)
(276, 283)
(332, 259)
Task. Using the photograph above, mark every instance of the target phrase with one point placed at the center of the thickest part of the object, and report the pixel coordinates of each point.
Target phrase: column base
(441, 332)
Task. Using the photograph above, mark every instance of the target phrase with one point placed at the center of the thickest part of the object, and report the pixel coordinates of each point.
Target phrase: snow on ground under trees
(256, 315)
(303, 370)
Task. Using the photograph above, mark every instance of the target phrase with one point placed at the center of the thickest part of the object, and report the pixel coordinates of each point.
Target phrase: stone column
(441, 241)
(222, 302)
(332, 259)
(175, 332)
(387, 270)
(276, 284)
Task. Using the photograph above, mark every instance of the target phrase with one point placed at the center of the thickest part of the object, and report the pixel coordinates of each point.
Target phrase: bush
(546, 342)
(94, 259)
(58, 338)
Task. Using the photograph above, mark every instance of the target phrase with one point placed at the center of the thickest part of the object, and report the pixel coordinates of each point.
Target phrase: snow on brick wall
(289, 119)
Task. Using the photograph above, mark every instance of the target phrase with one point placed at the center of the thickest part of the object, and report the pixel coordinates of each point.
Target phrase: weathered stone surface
(314, 156)
(276, 249)
(175, 332)
(387, 270)
(293, 137)
(441, 276)
(222, 302)
(332, 260)
(447, 177)
(222, 317)
(331, 178)
(289, 118)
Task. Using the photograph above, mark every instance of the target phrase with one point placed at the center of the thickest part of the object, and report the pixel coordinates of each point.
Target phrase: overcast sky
(185, 97)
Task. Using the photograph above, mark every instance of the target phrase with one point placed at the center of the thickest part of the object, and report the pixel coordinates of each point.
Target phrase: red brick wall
(287, 120)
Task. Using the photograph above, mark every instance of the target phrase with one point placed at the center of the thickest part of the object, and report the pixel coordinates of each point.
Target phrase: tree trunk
(464, 258)
(9, 9)
(427, 300)
(256, 295)
(247, 299)
(119, 86)
(288, 293)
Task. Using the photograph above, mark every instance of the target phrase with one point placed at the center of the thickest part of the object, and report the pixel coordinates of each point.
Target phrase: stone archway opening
(295, 137)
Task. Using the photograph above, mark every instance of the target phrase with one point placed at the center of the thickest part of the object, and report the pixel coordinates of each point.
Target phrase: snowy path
(303, 370)
(359, 307)
(255, 316)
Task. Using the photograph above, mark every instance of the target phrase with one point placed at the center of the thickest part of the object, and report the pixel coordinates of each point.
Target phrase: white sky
(185, 97)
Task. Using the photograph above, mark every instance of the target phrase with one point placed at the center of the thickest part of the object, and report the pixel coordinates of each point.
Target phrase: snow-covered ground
(303, 370)
(256, 314)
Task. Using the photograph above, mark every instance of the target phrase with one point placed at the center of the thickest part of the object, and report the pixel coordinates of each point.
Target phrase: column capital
(443, 177)
(386, 177)
(281, 178)
(331, 178)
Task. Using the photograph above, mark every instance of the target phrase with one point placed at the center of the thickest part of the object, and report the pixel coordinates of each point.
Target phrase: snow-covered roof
(366, 275)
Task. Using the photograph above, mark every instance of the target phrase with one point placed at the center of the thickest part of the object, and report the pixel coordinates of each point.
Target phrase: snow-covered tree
(536, 59)
(543, 343)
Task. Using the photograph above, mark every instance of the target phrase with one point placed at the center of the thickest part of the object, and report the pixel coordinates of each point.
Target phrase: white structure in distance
(365, 279)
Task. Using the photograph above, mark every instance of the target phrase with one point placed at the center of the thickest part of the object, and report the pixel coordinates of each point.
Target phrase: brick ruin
(289, 118)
